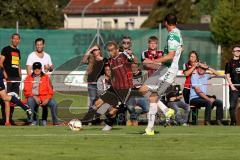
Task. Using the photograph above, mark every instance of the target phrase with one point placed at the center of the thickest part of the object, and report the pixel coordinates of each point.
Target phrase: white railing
(74, 82)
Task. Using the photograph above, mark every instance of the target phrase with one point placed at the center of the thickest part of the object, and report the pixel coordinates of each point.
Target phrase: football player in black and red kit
(121, 84)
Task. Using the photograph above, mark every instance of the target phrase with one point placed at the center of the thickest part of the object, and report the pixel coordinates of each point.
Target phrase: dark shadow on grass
(91, 129)
(142, 132)
(98, 128)
(116, 129)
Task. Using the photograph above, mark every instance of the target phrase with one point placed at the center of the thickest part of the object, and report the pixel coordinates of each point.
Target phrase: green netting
(64, 45)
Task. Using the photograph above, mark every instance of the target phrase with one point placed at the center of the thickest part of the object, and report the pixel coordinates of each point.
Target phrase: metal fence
(66, 45)
(72, 98)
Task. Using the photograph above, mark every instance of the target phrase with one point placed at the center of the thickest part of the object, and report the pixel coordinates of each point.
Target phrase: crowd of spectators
(38, 89)
(194, 94)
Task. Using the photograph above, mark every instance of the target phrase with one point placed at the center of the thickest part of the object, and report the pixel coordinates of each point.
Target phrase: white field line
(119, 135)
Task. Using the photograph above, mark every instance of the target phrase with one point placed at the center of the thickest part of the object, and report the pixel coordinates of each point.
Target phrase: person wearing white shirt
(39, 56)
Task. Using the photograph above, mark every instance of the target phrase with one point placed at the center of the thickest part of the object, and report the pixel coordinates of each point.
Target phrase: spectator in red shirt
(188, 69)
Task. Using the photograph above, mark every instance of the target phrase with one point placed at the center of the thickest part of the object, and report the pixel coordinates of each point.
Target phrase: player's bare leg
(7, 113)
(112, 111)
(98, 104)
(8, 98)
(155, 103)
(143, 89)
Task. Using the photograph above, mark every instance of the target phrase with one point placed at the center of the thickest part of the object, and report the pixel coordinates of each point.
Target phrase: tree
(187, 11)
(204, 7)
(225, 26)
(184, 10)
(31, 13)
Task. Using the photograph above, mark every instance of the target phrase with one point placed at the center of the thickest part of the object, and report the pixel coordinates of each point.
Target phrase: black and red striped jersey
(122, 77)
(151, 55)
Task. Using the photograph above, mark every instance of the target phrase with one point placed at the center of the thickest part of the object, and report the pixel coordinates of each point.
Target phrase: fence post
(159, 36)
(226, 90)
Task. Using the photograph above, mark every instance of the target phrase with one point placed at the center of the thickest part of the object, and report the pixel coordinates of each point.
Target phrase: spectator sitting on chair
(174, 101)
(134, 101)
(104, 83)
(198, 93)
(188, 70)
(39, 92)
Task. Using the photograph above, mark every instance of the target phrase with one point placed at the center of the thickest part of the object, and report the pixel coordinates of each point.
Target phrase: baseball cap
(36, 65)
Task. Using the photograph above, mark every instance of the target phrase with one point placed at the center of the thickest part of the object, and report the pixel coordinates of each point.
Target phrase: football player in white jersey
(158, 83)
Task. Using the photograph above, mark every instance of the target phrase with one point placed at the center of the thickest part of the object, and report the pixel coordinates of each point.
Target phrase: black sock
(109, 121)
(16, 101)
(89, 116)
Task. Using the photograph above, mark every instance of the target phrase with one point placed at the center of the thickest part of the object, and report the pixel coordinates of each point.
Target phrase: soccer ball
(75, 125)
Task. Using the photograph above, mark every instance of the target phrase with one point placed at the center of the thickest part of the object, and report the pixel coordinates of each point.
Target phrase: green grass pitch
(122, 143)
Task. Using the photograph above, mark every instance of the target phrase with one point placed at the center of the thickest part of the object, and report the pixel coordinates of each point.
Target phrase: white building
(108, 14)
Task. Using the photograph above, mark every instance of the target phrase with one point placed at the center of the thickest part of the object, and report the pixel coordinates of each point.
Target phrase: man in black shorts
(10, 61)
(121, 83)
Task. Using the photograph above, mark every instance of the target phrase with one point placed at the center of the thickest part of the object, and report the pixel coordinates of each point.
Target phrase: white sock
(162, 107)
(151, 115)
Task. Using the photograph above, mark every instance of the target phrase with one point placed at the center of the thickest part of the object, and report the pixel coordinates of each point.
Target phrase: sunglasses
(95, 50)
